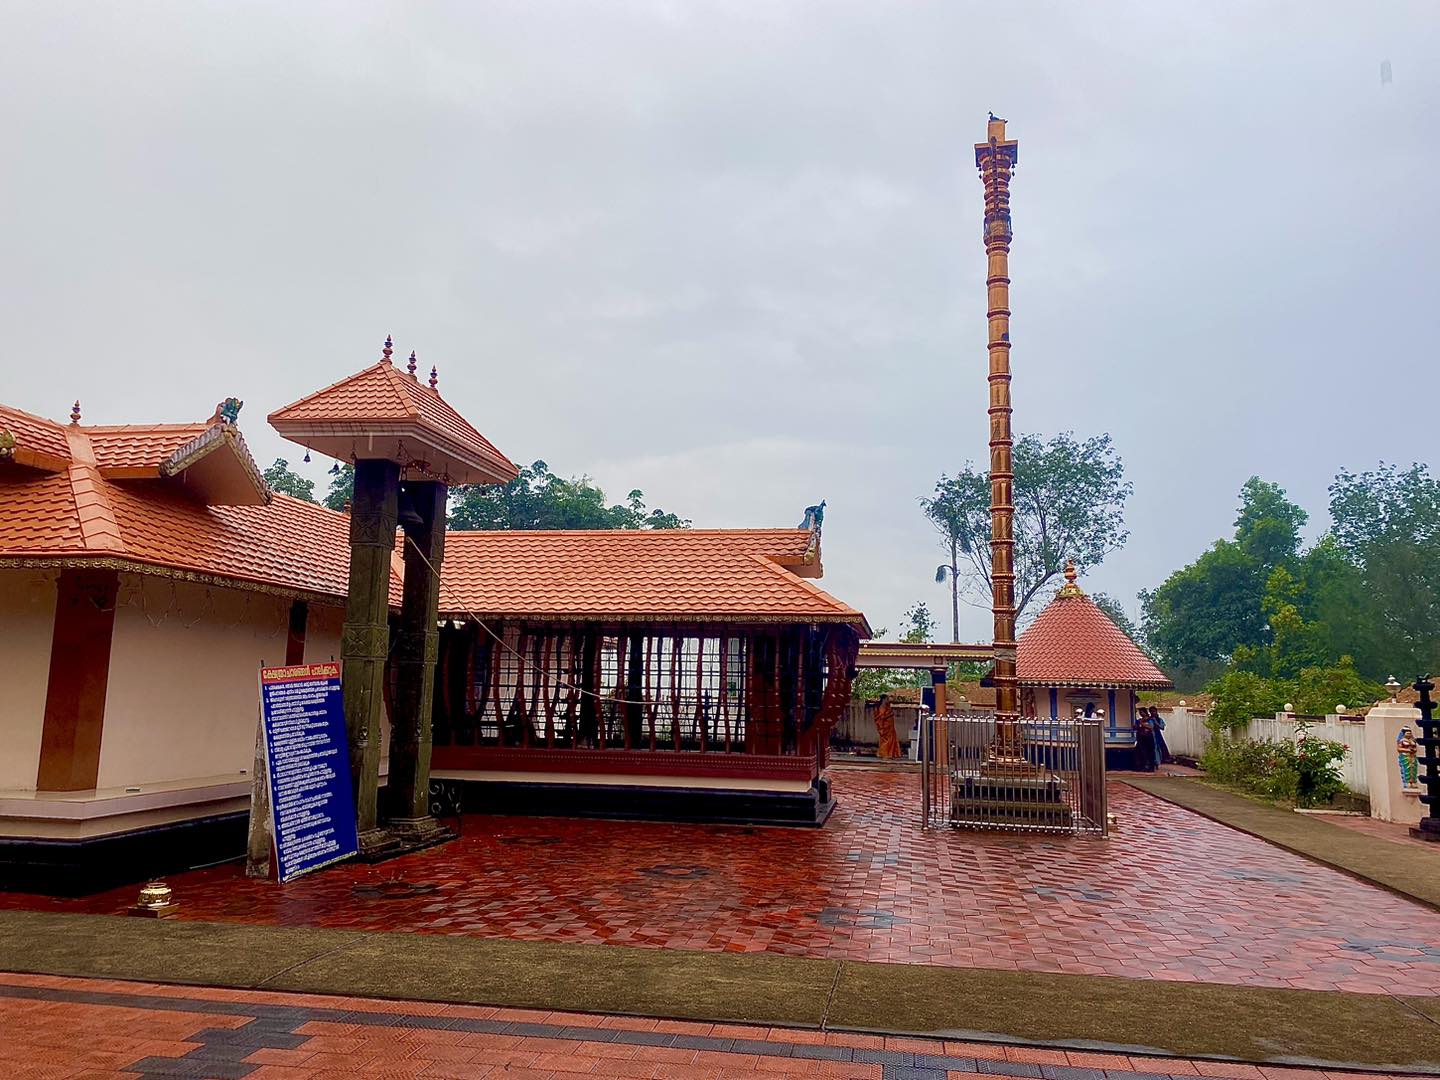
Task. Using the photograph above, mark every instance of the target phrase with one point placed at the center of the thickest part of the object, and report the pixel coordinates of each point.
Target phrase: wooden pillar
(416, 644)
(365, 640)
(79, 677)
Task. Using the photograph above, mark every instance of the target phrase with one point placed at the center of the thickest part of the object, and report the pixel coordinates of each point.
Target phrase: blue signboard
(312, 805)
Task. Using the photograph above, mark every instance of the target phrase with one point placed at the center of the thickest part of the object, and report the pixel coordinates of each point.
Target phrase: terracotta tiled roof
(133, 519)
(381, 398)
(1074, 643)
(290, 544)
(38, 442)
(723, 575)
(37, 514)
(138, 447)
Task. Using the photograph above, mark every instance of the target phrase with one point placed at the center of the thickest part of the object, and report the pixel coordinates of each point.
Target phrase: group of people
(1150, 748)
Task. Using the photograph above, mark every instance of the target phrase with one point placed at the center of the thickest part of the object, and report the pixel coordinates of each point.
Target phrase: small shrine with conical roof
(1073, 658)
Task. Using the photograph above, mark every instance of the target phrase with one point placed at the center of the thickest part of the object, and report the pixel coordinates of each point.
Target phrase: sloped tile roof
(728, 575)
(139, 446)
(38, 514)
(38, 442)
(384, 398)
(290, 544)
(133, 519)
(1074, 643)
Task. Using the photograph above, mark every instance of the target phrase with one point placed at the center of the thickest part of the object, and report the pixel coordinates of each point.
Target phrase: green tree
(282, 479)
(1203, 612)
(1240, 696)
(538, 499)
(1069, 504)
(919, 624)
(342, 487)
(1387, 528)
(1267, 528)
(1318, 690)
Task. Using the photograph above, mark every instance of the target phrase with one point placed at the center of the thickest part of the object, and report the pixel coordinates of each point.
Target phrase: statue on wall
(1405, 752)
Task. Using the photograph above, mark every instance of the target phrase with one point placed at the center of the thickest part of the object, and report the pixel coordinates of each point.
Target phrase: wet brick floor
(1170, 896)
(68, 1029)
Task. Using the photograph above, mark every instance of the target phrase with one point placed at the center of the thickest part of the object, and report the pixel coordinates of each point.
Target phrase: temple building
(147, 572)
(1073, 658)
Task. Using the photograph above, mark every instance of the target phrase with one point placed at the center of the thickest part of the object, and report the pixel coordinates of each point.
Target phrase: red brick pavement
(1171, 895)
(68, 1029)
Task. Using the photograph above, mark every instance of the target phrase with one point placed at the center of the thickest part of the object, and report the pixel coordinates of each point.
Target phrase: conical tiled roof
(382, 412)
(1074, 643)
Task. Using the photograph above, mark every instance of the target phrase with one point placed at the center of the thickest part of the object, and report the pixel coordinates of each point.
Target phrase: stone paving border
(278, 1034)
(1336, 1030)
(1411, 871)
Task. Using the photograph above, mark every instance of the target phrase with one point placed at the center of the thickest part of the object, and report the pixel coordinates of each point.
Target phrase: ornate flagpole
(996, 159)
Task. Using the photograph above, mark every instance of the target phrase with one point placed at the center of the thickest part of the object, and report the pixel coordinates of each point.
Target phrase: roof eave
(490, 468)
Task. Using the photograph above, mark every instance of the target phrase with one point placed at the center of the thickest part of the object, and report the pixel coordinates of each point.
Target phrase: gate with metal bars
(1035, 775)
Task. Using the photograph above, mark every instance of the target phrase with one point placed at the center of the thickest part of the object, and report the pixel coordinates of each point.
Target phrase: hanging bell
(408, 514)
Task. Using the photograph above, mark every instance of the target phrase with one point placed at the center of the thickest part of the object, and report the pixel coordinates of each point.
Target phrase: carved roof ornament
(410, 367)
(75, 412)
(228, 411)
(388, 349)
(1070, 588)
(434, 378)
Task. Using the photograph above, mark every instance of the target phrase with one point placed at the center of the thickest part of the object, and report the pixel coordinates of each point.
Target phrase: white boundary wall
(1186, 734)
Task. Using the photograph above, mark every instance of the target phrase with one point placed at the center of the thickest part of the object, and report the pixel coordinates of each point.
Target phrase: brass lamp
(156, 901)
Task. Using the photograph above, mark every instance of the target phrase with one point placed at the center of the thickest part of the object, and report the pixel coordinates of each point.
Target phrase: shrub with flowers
(1305, 772)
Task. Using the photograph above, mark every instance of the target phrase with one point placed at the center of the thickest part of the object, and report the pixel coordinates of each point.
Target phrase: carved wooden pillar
(416, 643)
(366, 637)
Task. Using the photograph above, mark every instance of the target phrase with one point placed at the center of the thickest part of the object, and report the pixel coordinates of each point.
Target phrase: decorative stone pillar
(416, 644)
(365, 641)
(1391, 798)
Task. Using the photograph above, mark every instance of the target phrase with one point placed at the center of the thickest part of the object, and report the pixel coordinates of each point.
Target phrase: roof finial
(434, 377)
(410, 367)
(75, 413)
(1070, 588)
(389, 348)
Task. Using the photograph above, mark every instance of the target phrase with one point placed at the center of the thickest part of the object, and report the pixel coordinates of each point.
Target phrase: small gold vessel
(156, 900)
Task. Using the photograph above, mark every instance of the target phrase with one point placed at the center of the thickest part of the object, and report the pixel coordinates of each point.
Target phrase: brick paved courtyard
(68, 1029)
(1170, 896)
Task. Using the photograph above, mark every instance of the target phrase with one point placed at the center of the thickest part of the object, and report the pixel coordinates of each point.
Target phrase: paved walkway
(1172, 895)
(67, 1029)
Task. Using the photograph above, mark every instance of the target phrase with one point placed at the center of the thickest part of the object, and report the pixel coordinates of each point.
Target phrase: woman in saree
(885, 725)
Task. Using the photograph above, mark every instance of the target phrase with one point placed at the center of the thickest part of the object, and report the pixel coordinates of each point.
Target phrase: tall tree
(538, 499)
(1069, 504)
(1387, 526)
(1199, 616)
(280, 478)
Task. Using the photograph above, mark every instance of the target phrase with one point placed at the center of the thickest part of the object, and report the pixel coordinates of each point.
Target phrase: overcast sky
(730, 253)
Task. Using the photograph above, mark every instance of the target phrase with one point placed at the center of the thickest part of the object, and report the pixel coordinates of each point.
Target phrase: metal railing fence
(1041, 775)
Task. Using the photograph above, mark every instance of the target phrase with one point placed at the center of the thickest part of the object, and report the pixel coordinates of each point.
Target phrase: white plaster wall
(322, 633)
(27, 617)
(183, 698)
